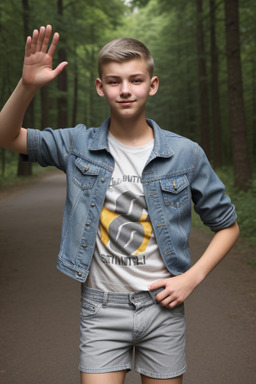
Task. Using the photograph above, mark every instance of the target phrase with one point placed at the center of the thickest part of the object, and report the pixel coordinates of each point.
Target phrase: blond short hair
(124, 49)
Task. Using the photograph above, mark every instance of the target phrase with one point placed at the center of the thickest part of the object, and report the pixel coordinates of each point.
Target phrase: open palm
(37, 67)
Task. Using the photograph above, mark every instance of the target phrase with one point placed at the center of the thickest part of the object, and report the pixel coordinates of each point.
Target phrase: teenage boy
(127, 216)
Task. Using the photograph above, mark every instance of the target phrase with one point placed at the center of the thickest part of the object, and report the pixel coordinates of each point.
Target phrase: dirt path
(39, 307)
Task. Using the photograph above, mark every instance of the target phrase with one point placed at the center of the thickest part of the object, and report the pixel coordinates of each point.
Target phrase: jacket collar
(99, 139)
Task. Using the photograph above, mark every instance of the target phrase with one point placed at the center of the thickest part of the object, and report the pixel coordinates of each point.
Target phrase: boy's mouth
(125, 102)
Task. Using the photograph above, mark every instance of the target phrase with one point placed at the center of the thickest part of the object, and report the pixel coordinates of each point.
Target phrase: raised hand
(37, 67)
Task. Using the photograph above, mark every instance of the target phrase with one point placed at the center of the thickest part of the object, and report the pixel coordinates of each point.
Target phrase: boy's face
(126, 86)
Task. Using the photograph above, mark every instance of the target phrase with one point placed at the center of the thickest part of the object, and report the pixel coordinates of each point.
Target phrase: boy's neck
(132, 132)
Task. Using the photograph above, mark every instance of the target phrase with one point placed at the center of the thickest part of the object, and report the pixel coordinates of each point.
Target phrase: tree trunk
(2, 96)
(75, 96)
(216, 116)
(91, 90)
(44, 94)
(25, 169)
(191, 105)
(181, 117)
(203, 87)
(3, 161)
(62, 82)
(253, 128)
(242, 171)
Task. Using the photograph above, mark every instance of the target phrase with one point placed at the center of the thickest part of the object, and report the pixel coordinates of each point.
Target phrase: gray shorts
(114, 325)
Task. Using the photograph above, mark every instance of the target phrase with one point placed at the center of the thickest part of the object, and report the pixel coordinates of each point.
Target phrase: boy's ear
(99, 87)
(154, 83)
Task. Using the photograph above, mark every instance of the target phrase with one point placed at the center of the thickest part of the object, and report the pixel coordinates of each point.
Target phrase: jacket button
(92, 204)
(88, 224)
(79, 273)
(84, 245)
(102, 180)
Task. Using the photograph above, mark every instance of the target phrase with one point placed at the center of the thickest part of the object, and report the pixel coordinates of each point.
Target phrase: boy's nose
(125, 90)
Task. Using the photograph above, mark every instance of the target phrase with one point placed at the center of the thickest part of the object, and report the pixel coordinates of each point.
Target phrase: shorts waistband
(122, 298)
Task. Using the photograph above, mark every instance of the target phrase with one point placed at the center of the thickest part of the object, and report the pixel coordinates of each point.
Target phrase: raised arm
(37, 72)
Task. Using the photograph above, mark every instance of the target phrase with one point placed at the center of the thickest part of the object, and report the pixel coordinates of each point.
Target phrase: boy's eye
(114, 82)
(137, 81)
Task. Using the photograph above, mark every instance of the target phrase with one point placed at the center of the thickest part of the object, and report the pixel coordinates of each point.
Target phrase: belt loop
(105, 300)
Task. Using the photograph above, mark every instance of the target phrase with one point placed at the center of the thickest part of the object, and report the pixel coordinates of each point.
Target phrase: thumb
(156, 285)
(59, 68)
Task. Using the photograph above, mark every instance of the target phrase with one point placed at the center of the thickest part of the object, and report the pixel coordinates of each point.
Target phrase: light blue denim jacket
(177, 173)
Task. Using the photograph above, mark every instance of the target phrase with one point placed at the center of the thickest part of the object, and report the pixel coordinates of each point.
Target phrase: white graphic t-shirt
(126, 256)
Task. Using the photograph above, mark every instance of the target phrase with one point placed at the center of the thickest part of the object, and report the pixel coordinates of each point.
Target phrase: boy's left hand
(176, 290)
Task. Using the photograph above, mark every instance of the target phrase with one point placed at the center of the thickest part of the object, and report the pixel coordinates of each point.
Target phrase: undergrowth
(9, 177)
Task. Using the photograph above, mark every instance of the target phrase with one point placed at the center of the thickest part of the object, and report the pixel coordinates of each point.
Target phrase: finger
(174, 304)
(166, 301)
(156, 285)
(54, 43)
(171, 301)
(28, 46)
(46, 39)
(163, 296)
(40, 39)
(34, 41)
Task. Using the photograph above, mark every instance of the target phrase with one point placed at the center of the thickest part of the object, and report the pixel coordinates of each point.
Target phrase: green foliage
(9, 177)
(167, 27)
(138, 3)
(83, 27)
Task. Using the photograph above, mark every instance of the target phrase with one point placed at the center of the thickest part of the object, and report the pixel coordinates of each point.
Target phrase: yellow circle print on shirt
(127, 229)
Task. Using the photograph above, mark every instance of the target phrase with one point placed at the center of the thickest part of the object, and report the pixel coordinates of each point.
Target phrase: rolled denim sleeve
(51, 147)
(209, 197)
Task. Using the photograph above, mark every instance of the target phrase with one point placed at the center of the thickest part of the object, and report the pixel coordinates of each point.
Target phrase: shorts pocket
(178, 310)
(89, 309)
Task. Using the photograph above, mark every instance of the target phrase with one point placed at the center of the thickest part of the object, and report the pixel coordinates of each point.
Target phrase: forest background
(205, 58)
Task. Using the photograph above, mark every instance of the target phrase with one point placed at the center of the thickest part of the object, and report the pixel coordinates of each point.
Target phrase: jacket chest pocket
(175, 191)
(85, 174)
